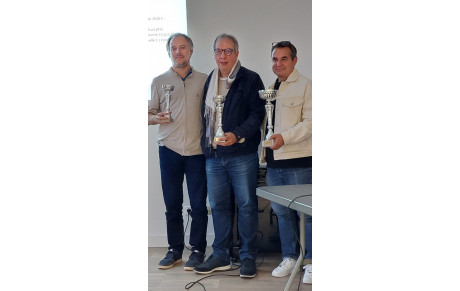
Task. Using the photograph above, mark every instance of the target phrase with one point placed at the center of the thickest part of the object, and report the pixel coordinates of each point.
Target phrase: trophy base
(169, 118)
(267, 143)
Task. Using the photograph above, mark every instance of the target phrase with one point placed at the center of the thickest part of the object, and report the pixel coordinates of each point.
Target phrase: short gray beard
(181, 66)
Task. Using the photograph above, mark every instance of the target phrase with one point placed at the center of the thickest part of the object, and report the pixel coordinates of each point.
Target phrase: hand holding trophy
(268, 95)
(219, 100)
(168, 89)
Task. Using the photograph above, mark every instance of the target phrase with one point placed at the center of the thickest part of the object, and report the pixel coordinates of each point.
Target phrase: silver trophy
(268, 95)
(219, 100)
(168, 89)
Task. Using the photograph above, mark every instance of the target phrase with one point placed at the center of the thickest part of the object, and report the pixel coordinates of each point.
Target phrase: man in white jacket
(289, 158)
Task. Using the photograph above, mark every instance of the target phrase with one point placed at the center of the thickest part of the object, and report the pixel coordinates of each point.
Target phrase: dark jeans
(173, 167)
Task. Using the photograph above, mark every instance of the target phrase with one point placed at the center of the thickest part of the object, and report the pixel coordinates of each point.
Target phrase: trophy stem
(168, 89)
(167, 106)
(219, 100)
(220, 131)
(269, 108)
(268, 95)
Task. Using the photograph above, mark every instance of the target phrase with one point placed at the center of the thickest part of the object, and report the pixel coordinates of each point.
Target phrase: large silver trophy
(219, 100)
(168, 89)
(268, 95)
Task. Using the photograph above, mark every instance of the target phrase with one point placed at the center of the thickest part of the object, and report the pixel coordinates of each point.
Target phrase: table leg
(302, 251)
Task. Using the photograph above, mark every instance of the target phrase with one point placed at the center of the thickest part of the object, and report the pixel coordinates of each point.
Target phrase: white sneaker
(307, 276)
(284, 268)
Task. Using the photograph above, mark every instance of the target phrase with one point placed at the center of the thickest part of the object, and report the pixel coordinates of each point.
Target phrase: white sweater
(293, 118)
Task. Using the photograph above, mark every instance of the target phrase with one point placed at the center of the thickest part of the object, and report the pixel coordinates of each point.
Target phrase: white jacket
(293, 118)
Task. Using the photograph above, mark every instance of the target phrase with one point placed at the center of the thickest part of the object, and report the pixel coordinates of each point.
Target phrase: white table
(285, 195)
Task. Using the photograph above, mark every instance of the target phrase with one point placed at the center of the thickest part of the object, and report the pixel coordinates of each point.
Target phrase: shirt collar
(183, 79)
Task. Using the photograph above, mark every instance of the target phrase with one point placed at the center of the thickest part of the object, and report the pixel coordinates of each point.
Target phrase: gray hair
(226, 36)
(189, 40)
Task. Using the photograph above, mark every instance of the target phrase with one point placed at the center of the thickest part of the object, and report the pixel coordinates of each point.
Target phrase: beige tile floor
(177, 278)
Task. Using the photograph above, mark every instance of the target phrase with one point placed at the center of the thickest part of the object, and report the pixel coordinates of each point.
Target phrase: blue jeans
(173, 166)
(287, 218)
(240, 173)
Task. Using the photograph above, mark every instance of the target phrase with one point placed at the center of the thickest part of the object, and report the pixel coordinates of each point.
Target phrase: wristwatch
(239, 139)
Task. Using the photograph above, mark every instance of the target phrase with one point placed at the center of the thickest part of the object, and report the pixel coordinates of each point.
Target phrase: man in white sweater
(289, 158)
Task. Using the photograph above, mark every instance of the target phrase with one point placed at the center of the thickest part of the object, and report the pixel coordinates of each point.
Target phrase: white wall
(256, 24)
(157, 225)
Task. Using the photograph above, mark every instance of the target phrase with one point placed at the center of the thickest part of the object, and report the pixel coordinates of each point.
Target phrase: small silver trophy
(219, 100)
(268, 95)
(168, 89)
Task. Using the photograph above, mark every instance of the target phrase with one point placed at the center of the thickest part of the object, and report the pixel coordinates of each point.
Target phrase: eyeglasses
(227, 52)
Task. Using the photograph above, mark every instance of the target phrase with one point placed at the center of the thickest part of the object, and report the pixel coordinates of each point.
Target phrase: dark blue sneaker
(195, 259)
(172, 257)
(248, 268)
(212, 264)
